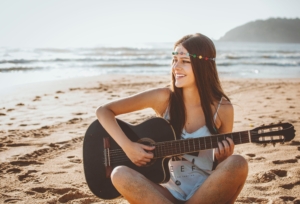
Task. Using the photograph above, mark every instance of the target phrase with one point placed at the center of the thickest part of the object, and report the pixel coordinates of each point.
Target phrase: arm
(155, 99)
(226, 148)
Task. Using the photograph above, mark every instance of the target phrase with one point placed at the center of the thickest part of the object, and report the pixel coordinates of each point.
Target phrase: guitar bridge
(108, 167)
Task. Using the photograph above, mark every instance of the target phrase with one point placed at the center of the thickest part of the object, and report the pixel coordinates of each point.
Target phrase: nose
(175, 65)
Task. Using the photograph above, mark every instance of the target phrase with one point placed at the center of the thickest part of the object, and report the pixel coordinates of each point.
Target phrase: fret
(205, 142)
(199, 142)
(155, 152)
(240, 138)
(194, 144)
(179, 146)
(249, 136)
(231, 137)
(215, 140)
(189, 145)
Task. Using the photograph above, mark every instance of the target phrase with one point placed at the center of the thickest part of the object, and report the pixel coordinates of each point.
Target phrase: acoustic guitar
(101, 154)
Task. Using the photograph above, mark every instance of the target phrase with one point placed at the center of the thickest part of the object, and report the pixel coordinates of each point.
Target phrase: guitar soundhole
(149, 142)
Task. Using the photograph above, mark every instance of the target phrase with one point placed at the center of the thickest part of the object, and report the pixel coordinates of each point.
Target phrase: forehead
(180, 48)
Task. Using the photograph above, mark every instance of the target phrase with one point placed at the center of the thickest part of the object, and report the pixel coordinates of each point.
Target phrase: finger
(226, 146)
(148, 155)
(231, 143)
(146, 160)
(146, 147)
(221, 148)
(217, 153)
(142, 163)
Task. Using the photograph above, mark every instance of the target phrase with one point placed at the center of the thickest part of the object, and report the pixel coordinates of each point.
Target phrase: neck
(191, 96)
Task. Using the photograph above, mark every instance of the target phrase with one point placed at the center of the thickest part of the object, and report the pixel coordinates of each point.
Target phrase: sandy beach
(42, 127)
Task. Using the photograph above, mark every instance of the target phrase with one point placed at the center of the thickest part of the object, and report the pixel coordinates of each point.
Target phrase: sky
(89, 23)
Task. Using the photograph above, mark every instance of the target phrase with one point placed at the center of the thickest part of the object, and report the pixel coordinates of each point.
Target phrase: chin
(178, 85)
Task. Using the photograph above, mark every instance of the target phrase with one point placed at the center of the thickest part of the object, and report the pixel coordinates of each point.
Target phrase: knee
(120, 175)
(237, 164)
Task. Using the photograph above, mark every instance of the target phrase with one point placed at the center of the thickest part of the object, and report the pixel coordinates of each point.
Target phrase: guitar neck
(177, 147)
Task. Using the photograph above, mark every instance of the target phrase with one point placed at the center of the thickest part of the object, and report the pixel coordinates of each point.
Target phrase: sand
(42, 126)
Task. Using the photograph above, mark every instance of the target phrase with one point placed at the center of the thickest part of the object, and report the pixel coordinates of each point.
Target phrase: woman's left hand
(225, 150)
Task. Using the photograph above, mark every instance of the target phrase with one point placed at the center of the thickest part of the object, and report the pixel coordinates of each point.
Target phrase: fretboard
(177, 147)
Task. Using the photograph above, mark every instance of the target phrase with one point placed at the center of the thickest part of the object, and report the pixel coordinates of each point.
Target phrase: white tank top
(189, 172)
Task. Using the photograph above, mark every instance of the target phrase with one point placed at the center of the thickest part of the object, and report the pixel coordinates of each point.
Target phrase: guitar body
(157, 129)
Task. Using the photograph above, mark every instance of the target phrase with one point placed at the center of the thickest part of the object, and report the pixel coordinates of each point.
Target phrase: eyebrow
(181, 57)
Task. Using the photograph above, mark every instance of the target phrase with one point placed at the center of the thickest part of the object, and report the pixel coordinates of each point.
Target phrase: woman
(196, 106)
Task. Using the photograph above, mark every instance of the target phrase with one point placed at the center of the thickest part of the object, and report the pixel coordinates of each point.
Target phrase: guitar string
(166, 151)
(186, 144)
(184, 141)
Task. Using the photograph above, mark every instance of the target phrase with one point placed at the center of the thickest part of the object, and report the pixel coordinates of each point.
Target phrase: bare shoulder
(226, 107)
(225, 116)
(161, 96)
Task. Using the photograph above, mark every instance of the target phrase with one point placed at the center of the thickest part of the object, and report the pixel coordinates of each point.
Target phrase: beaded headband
(193, 55)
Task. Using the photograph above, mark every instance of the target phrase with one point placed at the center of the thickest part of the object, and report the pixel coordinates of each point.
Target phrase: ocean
(234, 60)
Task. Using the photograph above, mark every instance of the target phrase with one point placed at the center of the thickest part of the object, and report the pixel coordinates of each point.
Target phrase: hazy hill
(279, 30)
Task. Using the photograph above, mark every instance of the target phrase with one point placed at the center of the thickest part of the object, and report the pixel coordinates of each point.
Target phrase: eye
(184, 61)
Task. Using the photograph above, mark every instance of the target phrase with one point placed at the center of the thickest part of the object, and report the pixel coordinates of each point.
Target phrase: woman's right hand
(138, 153)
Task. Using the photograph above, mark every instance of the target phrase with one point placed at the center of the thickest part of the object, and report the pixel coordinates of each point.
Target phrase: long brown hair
(207, 82)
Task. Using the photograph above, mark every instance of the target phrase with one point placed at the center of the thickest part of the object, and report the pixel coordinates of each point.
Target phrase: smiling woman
(196, 106)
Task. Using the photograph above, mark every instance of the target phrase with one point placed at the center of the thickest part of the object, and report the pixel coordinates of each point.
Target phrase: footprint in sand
(290, 185)
(20, 104)
(287, 198)
(78, 161)
(37, 98)
(2, 114)
(60, 92)
(279, 172)
(285, 161)
(25, 163)
(252, 200)
(74, 120)
(27, 176)
(72, 196)
(264, 177)
(79, 113)
(12, 200)
(13, 170)
(251, 155)
(289, 99)
(292, 107)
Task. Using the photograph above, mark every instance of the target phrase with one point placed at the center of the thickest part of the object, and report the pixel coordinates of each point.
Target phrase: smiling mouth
(179, 76)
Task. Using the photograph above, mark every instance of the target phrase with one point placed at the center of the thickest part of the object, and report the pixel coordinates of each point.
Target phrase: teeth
(180, 75)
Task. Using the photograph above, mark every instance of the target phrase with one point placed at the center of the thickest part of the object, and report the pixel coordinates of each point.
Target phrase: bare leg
(224, 184)
(138, 189)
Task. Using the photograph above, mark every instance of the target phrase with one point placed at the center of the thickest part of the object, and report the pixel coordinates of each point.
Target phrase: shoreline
(42, 127)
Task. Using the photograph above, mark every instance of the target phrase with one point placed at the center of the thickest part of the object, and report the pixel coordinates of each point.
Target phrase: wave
(12, 69)
(133, 65)
(264, 56)
(277, 64)
(96, 59)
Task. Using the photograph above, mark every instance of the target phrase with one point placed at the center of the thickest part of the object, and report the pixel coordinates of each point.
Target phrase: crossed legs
(222, 186)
